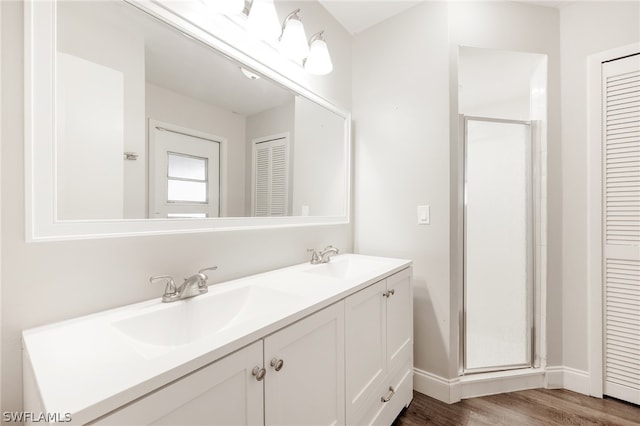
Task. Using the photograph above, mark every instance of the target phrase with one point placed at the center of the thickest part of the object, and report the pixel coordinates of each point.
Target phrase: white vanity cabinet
(222, 393)
(308, 387)
(328, 344)
(379, 350)
(305, 381)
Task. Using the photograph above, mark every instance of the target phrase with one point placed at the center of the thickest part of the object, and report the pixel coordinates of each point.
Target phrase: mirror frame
(41, 223)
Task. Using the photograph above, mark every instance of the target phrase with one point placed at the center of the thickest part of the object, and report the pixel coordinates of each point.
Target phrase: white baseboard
(554, 378)
(501, 382)
(453, 390)
(561, 377)
(445, 390)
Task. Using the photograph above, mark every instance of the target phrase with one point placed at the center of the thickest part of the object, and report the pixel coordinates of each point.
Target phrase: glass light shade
(226, 7)
(263, 22)
(293, 43)
(318, 62)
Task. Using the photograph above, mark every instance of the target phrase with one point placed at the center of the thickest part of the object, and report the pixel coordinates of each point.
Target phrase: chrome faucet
(324, 256)
(192, 286)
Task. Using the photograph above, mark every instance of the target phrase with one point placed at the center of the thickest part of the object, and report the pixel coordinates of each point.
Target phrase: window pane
(179, 190)
(185, 167)
(187, 215)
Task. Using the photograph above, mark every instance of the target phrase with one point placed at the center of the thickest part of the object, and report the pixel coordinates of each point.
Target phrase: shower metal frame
(532, 207)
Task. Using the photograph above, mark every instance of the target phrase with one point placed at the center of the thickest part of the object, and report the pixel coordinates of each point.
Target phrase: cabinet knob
(277, 364)
(259, 373)
(388, 293)
(387, 397)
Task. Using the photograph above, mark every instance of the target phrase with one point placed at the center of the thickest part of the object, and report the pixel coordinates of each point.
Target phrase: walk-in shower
(502, 197)
(498, 245)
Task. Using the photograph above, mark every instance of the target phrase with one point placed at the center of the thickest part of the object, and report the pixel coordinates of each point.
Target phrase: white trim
(554, 377)
(445, 390)
(562, 377)
(594, 215)
(475, 385)
(40, 185)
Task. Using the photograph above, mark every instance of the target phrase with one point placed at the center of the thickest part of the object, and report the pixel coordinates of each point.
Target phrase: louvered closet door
(270, 177)
(621, 266)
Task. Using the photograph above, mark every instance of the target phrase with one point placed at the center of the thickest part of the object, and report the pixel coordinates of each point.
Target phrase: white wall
(46, 282)
(90, 140)
(174, 108)
(586, 28)
(92, 36)
(404, 93)
(401, 126)
(268, 123)
(318, 166)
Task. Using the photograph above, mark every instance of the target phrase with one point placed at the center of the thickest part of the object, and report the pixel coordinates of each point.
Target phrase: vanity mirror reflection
(138, 126)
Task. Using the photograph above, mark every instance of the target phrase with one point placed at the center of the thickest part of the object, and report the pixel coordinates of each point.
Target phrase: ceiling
(177, 63)
(358, 15)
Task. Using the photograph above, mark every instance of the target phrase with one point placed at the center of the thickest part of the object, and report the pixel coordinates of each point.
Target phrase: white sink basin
(163, 327)
(345, 267)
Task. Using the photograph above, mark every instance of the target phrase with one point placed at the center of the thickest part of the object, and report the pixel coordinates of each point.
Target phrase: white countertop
(87, 368)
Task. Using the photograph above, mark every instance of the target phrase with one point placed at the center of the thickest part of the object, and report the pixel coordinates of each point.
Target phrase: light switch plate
(424, 215)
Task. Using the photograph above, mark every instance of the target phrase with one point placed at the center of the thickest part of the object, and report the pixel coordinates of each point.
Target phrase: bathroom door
(621, 222)
(498, 245)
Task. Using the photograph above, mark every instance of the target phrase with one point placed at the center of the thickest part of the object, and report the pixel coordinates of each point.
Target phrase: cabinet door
(366, 348)
(399, 320)
(222, 393)
(308, 388)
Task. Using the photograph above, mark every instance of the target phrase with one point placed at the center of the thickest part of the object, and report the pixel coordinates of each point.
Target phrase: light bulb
(319, 61)
(263, 22)
(293, 43)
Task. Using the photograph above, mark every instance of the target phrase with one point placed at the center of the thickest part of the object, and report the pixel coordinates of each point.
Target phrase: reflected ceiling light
(293, 41)
(263, 22)
(226, 7)
(250, 75)
(319, 61)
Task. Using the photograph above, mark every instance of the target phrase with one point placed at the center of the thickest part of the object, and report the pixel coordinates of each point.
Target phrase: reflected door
(498, 245)
(184, 172)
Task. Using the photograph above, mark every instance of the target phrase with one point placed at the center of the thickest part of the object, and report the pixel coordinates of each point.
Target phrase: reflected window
(186, 178)
(188, 215)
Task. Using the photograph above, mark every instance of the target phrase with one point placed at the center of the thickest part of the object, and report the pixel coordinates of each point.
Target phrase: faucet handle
(170, 289)
(331, 248)
(204, 276)
(315, 258)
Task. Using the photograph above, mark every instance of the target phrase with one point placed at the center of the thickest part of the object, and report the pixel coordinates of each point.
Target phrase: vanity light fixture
(319, 61)
(226, 7)
(263, 22)
(293, 41)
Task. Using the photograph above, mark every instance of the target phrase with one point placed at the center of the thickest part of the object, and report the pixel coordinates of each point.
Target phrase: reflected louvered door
(621, 263)
(270, 177)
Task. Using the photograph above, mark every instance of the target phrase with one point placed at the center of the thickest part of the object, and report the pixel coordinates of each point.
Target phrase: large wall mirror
(136, 125)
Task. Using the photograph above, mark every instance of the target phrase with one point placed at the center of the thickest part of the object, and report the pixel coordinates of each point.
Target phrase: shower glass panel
(498, 243)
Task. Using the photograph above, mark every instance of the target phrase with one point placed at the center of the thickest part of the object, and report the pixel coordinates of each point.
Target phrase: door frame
(532, 207)
(594, 212)
(152, 123)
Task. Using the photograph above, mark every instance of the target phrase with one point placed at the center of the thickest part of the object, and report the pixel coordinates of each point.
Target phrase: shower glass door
(498, 245)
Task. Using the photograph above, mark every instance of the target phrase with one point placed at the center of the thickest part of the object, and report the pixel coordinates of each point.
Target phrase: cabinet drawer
(383, 413)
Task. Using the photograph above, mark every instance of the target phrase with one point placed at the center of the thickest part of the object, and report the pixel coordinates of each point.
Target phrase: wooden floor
(531, 407)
